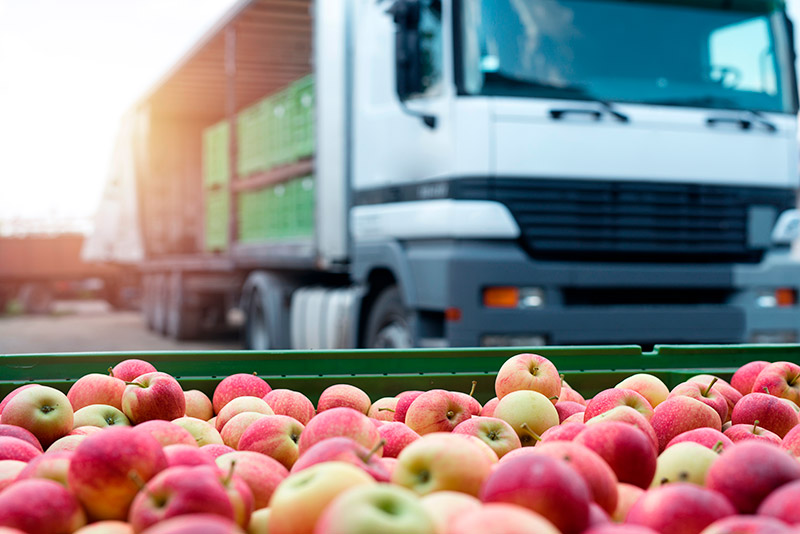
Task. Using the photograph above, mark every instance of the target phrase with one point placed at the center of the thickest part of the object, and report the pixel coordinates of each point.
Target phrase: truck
(434, 173)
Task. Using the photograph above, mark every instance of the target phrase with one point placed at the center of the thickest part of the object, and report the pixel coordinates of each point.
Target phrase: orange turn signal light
(501, 297)
(785, 296)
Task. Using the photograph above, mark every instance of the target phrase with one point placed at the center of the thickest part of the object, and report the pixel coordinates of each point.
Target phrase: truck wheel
(182, 320)
(256, 327)
(147, 302)
(160, 297)
(36, 298)
(389, 325)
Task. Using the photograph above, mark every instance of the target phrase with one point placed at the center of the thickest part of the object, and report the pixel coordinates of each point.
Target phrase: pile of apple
(131, 452)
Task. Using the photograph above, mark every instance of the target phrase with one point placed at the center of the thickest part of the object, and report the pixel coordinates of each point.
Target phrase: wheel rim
(395, 335)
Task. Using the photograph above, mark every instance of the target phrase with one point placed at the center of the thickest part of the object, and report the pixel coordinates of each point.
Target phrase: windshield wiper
(721, 102)
(576, 93)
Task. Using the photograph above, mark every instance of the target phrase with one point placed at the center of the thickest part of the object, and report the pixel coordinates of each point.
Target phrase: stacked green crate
(306, 206)
(280, 140)
(302, 110)
(216, 165)
(250, 140)
(217, 210)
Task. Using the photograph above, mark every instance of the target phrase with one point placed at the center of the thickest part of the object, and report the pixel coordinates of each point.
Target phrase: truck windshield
(703, 53)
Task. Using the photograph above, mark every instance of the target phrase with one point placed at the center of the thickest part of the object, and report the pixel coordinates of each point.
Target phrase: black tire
(160, 295)
(182, 320)
(389, 322)
(256, 327)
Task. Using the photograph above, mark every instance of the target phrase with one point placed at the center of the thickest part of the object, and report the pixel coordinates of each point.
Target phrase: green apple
(99, 415)
(530, 408)
(204, 432)
(684, 462)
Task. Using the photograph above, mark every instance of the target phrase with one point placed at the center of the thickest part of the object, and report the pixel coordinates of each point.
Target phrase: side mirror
(408, 65)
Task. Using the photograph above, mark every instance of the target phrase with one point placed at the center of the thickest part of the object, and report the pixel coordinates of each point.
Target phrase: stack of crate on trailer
(273, 133)
(216, 175)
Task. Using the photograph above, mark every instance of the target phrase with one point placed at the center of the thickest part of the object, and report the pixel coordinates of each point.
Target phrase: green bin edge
(388, 372)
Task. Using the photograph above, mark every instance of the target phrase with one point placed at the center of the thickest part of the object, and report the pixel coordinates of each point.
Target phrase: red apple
(748, 524)
(241, 405)
(339, 422)
(344, 396)
(488, 408)
(500, 518)
(626, 414)
(166, 433)
(198, 405)
(100, 471)
(568, 394)
(744, 377)
(679, 414)
(679, 507)
(44, 411)
(436, 411)
(705, 393)
(545, 485)
(404, 401)
(96, 389)
(16, 449)
(67, 443)
(261, 473)
(627, 494)
(129, 370)
(749, 471)
(781, 379)
(783, 504)
(344, 450)
(20, 433)
(468, 400)
(203, 432)
(707, 437)
(528, 372)
(564, 432)
(383, 409)
(611, 398)
(195, 524)
(9, 470)
(237, 426)
(626, 449)
(648, 386)
(104, 527)
(496, 433)
(290, 403)
(11, 395)
(40, 506)
(731, 394)
(52, 466)
(238, 385)
(187, 456)
(274, 435)
(217, 450)
(153, 396)
(772, 413)
(84, 430)
(737, 433)
(575, 418)
(397, 436)
(567, 408)
(445, 507)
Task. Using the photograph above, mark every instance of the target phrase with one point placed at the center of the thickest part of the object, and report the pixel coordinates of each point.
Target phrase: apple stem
(708, 389)
(134, 476)
(561, 376)
(554, 397)
(110, 371)
(766, 390)
(531, 433)
(755, 426)
(386, 410)
(375, 449)
(229, 476)
(718, 447)
(134, 384)
(474, 384)
(255, 373)
(450, 414)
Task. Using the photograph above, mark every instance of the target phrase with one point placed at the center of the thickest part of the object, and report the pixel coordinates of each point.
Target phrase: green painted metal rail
(388, 372)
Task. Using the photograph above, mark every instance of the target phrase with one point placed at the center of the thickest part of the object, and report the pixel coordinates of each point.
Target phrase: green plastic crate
(216, 223)
(279, 141)
(216, 158)
(302, 117)
(388, 372)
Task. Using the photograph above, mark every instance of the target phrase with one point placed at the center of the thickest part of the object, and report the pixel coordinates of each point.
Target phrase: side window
(430, 36)
(741, 57)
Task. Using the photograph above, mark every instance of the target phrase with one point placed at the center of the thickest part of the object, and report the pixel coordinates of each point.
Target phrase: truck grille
(633, 221)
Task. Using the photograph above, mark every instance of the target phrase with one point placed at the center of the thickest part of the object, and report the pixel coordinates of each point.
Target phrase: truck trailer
(397, 173)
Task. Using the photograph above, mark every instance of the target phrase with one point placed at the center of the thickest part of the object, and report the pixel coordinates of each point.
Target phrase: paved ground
(89, 327)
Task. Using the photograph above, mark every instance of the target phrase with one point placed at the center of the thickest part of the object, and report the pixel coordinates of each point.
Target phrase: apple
(648, 386)
(383, 409)
(344, 450)
(749, 471)
(747, 524)
(198, 405)
(567, 408)
(597, 516)
(442, 461)
(737, 433)
(744, 377)
(781, 379)
(567, 394)
(195, 524)
(404, 401)
(335, 422)
(290, 403)
(679, 414)
(153, 396)
(436, 411)
(684, 462)
(397, 437)
(241, 405)
(238, 491)
(259, 522)
(179, 491)
(20, 433)
(731, 394)
(599, 477)
(344, 396)
(274, 435)
(689, 505)
(626, 414)
(773, 413)
(468, 400)
(105, 527)
(500, 518)
(100, 472)
(238, 385)
(575, 418)
(496, 433)
(237, 426)
(530, 408)
(261, 473)
(791, 442)
(612, 398)
(627, 495)
(301, 499)
(67, 443)
(167, 433)
(95, 388)
(707, 394)
(16, 449)
(40, 506)
(52, 466)
(99, 415)
(44, 411)
(529, 372)
(13, 394)
(488, 408)
(782, 504)
(545, 485)
(187, 455)
(203, 432)
(84, 430)
(217, 450)
(368, 509)
(707, 437)
(444, 507)
(129, 370)
(566, 431)
(9, 470)
(626, 449)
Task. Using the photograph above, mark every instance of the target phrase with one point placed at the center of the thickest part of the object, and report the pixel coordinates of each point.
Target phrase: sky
(69, 69)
